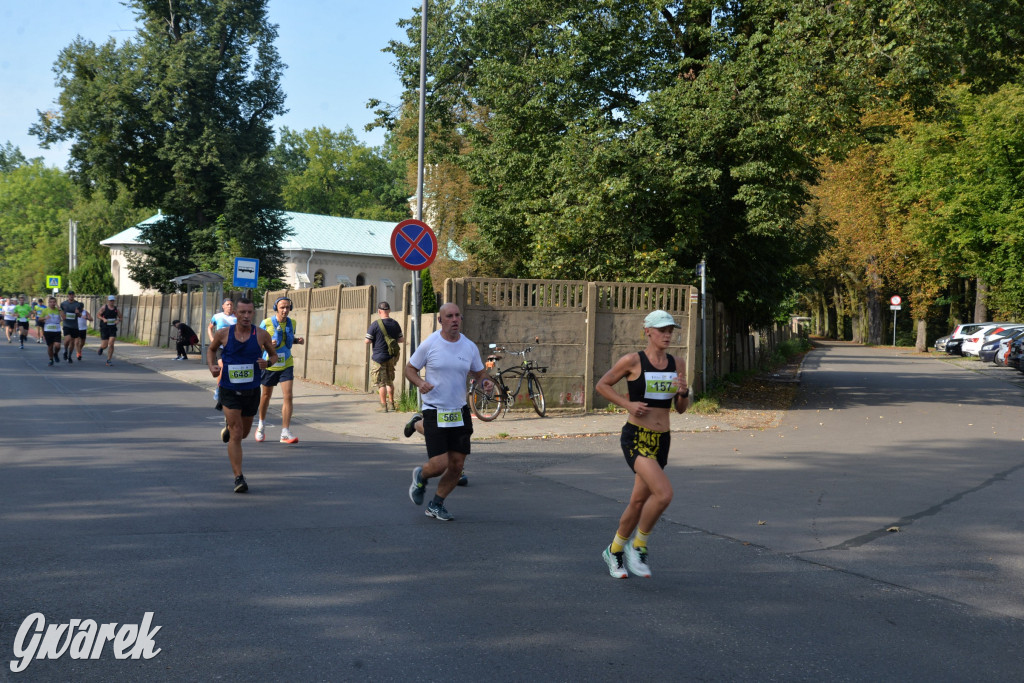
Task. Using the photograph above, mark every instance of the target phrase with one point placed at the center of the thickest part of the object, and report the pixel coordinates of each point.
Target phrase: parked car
(1013, 356)
(940, 343)
(1002, 352)
(972, 345)
(954, 345)
(994, 342)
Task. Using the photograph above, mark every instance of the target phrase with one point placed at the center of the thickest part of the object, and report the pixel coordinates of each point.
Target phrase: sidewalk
(351, 413)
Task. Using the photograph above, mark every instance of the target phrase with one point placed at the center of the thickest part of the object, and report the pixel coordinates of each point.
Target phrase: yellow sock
(641, 539)
(619, 543)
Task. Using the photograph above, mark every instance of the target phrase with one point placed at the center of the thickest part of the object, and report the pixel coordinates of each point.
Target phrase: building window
(318, 278)
(360, 280)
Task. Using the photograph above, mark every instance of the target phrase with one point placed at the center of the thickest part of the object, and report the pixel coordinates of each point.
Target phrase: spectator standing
(386, 337)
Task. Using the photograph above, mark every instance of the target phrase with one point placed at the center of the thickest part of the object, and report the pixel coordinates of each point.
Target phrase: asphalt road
(774, 561)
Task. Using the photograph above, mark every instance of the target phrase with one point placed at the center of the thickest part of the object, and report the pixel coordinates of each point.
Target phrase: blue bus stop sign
(247, 273)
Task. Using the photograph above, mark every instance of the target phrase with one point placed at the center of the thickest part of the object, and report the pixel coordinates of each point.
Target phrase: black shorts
(441, 440)
(108, 331)
(23, 324)
(51, 338)
(10, 323)
(74, 334)
(640, 442)
(40, 322)
(271, 378)
(246, 400)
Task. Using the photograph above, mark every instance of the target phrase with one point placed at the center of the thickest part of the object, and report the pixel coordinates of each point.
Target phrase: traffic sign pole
(894, 304)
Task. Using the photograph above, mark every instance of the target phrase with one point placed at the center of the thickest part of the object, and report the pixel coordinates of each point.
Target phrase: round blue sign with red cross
(413, 244)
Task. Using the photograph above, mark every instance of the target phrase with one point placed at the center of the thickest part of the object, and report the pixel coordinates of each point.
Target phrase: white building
(323, 251)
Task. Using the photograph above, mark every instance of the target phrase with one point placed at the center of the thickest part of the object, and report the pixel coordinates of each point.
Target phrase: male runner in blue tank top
(656, 382)
(243, 363)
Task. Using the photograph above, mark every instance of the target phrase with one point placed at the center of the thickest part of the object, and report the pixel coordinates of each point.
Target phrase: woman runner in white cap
(656, 382)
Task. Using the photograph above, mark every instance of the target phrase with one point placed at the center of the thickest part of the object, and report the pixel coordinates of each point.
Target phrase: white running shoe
(260, 435)
(288, 437)
(614, 562)
(636, 561)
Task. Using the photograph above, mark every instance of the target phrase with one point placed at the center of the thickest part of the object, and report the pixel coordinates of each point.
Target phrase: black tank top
(653, 387)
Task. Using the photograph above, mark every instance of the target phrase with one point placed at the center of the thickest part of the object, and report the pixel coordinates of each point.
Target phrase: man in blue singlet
(239, 381)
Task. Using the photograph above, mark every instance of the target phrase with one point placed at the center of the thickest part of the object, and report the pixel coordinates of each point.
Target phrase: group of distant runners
(249, 361)
(64, 324)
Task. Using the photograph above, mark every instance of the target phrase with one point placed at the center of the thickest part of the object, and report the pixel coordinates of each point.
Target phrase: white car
(973, 343)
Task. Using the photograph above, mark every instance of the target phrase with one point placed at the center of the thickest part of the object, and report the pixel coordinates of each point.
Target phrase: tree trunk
(981, 302)
(874, 305)
(837, 301)
(826, 331)
(921, 344)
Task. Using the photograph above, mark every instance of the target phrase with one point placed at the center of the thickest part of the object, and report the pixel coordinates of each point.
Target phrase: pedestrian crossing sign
(53, 281)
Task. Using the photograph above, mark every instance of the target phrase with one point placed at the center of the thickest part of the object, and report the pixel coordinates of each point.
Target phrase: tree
(11, 157)
(35, 205)
(179, 118)
(626, 140)
(332, 173)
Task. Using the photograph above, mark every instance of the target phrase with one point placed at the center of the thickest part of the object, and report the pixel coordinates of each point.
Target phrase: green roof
(311, 231)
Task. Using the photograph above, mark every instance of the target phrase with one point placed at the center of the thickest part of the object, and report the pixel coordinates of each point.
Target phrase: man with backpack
(386, 336)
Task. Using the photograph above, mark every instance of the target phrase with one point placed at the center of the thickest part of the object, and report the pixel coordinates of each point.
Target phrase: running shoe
(260, 434)
(79, 358)
(410, 426)
(109, 364)
(51, 362)
(99, 352)
(225, 435)
(614, 562)
(65, 354)
(418, 488)
(70, 361)
(240, 485)
(289, 438)
(22, 344)
(463, 479)
(636, 561)
(438, 512)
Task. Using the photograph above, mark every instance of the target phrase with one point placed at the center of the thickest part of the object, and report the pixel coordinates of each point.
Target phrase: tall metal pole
(72, 248)
(419, 174)
(703, 326)
(419, 170)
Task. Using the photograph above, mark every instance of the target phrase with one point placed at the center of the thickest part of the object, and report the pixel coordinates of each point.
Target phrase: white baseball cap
(660, 319)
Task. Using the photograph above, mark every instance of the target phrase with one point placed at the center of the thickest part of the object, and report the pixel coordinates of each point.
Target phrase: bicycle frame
(488, 405)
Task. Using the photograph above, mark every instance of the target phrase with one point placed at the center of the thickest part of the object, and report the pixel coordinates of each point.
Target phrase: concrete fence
(147, 318)
(578, 329)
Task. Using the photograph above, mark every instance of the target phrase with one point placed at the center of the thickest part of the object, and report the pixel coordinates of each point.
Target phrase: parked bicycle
(507, 386)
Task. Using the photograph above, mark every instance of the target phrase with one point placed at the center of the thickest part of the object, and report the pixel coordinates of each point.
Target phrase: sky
(332, 49)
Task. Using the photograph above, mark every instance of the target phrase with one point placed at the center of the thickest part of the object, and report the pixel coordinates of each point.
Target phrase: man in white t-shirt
(10, 317)
(448, 358)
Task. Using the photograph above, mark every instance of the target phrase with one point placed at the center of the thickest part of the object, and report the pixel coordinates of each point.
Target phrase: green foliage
(333, 174)
(178, 117)
(35, 205)
(11, 157)
(428, 296)
(626, 140)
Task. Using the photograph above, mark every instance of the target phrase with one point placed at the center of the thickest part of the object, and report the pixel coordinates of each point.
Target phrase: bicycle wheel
(536, 394)
(485, 405)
